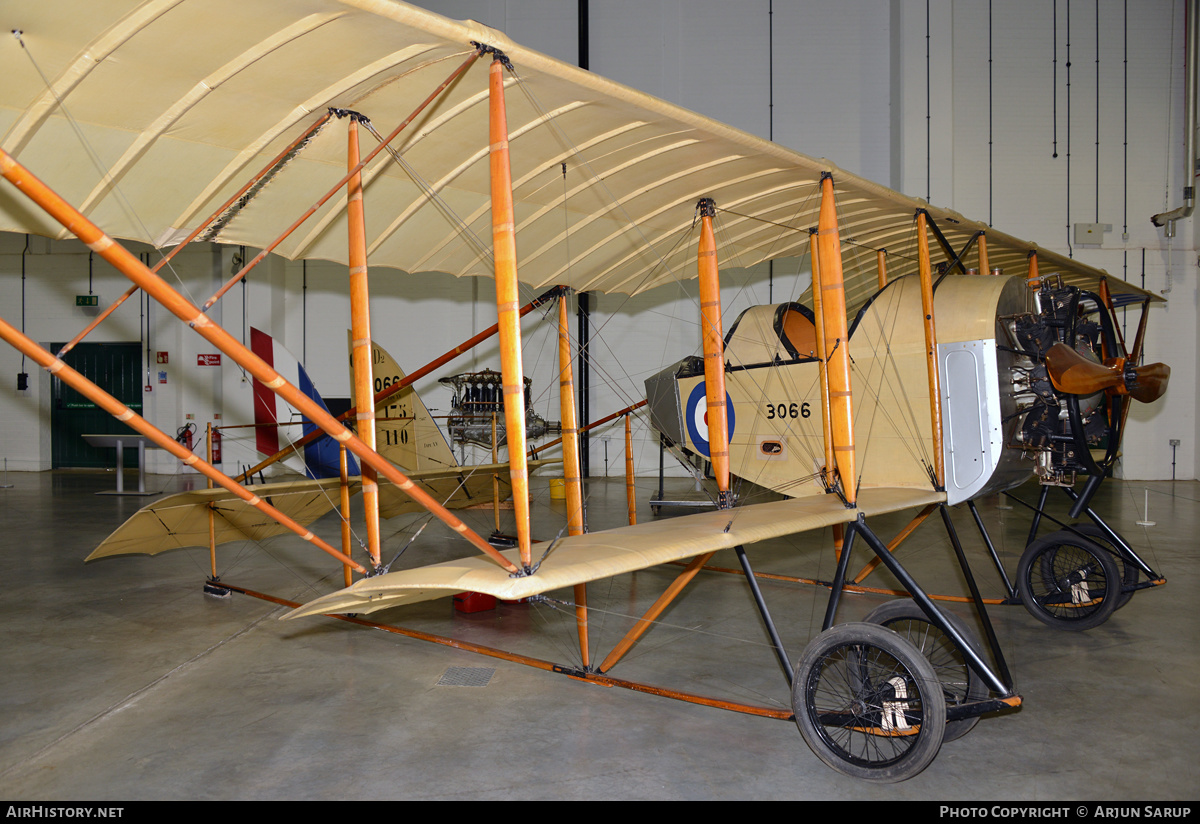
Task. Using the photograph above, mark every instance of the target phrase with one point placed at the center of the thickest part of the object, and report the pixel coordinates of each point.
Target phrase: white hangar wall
(965, 110)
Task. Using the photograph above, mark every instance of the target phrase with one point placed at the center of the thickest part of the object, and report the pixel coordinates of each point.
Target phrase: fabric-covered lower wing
(181, 520)
(597, 555)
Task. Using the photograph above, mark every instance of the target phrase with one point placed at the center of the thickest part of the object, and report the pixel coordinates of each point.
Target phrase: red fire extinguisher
(184, 434)
(216, 445)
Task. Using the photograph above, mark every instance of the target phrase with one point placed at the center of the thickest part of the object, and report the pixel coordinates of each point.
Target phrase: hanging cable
(771, 121)
(990, 119)
(1125, 159)
(928, 114)
(1070, 249)
(1054, 79)
(1097, 111)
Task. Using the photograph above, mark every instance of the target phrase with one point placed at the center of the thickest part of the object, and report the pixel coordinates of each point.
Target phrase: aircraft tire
(1129, 572)
(1068, 583)
(868, 703)
(960, 683)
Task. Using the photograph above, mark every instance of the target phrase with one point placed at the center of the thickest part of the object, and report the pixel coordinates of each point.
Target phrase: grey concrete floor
(121, 680)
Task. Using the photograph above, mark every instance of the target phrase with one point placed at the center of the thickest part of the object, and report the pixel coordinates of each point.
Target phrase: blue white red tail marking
(321, 459)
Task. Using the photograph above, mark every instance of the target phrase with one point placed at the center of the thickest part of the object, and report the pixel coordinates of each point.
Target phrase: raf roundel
(696, 416)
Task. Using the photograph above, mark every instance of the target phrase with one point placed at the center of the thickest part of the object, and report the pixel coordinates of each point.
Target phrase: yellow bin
(558, 489)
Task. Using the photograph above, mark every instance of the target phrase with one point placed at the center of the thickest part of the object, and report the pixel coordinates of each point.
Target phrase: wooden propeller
(1075, 374)
(1150, 383)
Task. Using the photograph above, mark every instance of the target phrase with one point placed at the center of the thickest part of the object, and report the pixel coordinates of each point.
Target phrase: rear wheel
(868, 703)
(1068, 583)
(1128, 571)
(960, 683)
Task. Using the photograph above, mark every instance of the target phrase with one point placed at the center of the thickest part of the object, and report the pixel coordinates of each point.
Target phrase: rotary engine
(478, 400)
(1057, 428)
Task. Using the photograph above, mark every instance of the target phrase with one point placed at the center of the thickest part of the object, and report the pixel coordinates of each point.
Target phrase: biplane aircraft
(589, 185)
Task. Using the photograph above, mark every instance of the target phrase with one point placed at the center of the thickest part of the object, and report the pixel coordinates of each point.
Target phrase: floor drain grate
(466, 677)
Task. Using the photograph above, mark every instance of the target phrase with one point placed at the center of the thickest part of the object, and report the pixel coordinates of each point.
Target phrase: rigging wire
(432, 195)
(94, 157)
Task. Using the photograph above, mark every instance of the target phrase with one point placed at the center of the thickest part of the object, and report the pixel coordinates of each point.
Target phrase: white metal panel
(971, 434)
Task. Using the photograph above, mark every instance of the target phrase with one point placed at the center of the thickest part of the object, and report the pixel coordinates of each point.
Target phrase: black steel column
(583, 372)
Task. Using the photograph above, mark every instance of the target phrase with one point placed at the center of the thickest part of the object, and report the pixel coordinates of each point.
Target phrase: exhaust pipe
(1189, 203)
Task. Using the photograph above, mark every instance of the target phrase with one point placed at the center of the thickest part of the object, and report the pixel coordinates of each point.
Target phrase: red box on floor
(474, 602)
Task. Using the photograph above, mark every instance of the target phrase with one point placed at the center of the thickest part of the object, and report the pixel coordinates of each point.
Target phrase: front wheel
(1128, 570)
(1068, 583)
(960, 683)
(868, 703)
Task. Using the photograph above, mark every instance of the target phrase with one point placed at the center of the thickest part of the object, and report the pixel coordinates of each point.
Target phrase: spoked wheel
(960, 683)
(1128, 571)
(1068, 583)
(868, 703)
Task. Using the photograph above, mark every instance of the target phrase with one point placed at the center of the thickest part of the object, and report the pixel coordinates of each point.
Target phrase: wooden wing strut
(504, 252)
(713, 339)
(360, 335)
(833, 311)
(185, 310)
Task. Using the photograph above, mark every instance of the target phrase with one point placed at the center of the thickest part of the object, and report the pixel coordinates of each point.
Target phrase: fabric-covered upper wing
(223, 86)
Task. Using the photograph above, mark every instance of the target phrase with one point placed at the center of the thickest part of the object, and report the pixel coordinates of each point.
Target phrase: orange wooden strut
(185, 310)
(338, 186)
(917, 520)
(504, 252)
(495, 475)
(571, 473)
(533, 453)
(935, 390)
(140, 425)
(630, 493)
(656, 609)
(384, 394)
(983, 255)
(570, 425)
(713, 341)
(179, 247)
(822, 380)
(360, 335)
(545, 666)
(1106, 299)
(344, 508)
(833, 308)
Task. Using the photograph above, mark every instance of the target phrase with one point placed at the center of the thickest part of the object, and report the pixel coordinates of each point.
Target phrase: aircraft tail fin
(405, 433)
(321, 457)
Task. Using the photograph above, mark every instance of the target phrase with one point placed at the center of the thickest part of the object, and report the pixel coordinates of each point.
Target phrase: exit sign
(87, 300)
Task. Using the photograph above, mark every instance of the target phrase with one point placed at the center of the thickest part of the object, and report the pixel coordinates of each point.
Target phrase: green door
(115, 368)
